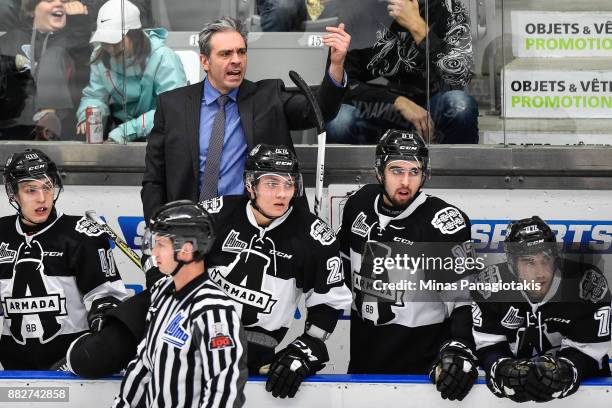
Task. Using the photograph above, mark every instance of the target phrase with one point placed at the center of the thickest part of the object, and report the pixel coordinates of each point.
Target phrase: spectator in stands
(399, 57)
(45, 44)
(93, 8)
(137, 64)
(202, 132)
(9, 12)
(361, 18)
(289, 15)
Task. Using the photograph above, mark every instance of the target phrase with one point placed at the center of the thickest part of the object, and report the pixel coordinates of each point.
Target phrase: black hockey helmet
(182, 221)
(270, 158)
(31, 164)
(266, 159)
(529, 236)
(401, 145)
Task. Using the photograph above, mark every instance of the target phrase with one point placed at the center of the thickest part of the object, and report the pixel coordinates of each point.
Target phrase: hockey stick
(321, 138)
(121, 244)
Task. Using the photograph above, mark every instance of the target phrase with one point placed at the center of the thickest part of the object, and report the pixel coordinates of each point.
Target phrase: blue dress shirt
(234, 151)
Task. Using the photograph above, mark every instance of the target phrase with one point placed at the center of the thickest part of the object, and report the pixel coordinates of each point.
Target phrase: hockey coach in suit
(202, 132)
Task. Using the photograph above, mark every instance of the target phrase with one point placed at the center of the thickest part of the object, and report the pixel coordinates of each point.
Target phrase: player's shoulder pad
(315, 227)
(81, 225)
(593, 286)
(321, 232)
(8, 222)
(362, 198)
(212, 205)
(367, 193)
(446, 218)
(491, 274)
(224, 204)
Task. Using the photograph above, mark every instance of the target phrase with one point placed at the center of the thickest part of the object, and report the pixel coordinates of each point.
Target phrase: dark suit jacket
(267, 112)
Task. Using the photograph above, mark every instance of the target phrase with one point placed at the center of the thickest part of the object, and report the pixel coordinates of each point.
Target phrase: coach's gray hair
(222, 24)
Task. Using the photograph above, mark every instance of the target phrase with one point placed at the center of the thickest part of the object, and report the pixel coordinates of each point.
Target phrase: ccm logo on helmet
(283, 163)
(539, 241)
(408, 147)
(38, 166)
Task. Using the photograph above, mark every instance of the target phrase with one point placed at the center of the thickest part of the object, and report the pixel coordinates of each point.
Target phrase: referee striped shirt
(193, 353)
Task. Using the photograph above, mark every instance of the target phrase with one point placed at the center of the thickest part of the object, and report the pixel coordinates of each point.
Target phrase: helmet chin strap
(179, 265)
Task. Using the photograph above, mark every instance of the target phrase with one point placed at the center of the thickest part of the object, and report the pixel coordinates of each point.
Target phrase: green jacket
(162, 72)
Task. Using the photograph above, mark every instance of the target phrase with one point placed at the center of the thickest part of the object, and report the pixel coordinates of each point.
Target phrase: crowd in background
(401, 74)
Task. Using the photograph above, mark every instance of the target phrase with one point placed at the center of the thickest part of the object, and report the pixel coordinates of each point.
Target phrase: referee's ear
(186, 253)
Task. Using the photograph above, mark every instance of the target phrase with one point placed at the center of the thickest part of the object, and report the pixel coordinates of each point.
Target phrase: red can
(94, 128)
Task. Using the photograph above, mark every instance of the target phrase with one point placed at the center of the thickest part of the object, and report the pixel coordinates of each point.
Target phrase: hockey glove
(99, 308)
(304, 357)
(507, 379)
(454, 372)
(61, 365)
(551, 377)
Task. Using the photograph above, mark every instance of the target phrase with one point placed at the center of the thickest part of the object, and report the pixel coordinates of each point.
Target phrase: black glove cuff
(313, 349)
(492, 377)
(457, 346)
(100, 307)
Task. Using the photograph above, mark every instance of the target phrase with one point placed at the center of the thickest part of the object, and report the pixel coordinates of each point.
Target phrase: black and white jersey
(50, 279)
(266, 269)
(193, 351)
(398, 336)
(573, 319)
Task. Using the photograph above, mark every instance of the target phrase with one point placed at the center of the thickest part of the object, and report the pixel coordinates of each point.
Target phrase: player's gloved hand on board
(303, 357)
(61, 365)
(99, 308)
(507, 378)
(551, 377)
(454, 371)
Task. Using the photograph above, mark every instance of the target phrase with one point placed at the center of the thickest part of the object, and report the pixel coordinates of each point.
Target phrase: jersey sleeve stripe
(483, 340)
(594, 350)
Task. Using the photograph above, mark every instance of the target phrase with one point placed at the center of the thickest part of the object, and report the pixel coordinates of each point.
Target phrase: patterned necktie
(210, 180)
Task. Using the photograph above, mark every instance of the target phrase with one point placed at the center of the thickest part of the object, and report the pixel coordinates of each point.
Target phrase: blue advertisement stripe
(577, 235)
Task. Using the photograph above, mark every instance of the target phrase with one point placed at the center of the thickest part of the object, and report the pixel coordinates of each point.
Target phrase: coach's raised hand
(338, 41)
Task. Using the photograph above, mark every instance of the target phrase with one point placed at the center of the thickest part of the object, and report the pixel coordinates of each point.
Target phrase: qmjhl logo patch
(174, 334)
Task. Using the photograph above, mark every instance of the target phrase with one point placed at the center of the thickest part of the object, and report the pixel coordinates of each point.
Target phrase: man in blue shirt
(184, 134)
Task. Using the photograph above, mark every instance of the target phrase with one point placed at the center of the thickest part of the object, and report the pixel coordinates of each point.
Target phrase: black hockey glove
(454, 372)
(551, 377)
(507, 379)
(304, 357)
(99, 308)
(61, 365)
